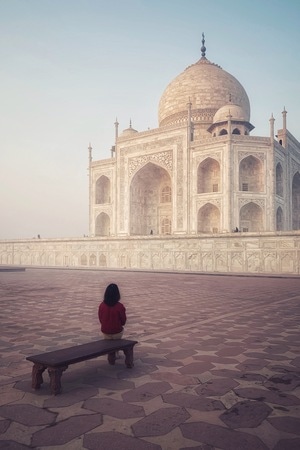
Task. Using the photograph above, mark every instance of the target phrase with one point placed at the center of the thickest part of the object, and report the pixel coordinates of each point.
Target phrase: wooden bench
(58, 361)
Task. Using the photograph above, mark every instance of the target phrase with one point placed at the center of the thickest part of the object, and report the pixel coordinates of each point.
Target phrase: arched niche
(208, 176)
(208, 219)
(296, 201)
(103, 190)
(102, 226)
(251, 217)
(279, 180)
(279, 219)
(251, 174)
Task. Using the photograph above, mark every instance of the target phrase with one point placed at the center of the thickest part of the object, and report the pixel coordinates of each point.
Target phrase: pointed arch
(296, 201)
(251, 217)
(236, 131)
(279, 180)
(102, 190)
(208, 176)
(279, 219)
(102, 227)
(208, 219)
(251, 174)
(150, 200)
(223, 132)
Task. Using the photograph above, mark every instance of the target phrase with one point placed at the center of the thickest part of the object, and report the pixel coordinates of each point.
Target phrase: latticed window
(166, 194)
(215, 188)
(245, 187)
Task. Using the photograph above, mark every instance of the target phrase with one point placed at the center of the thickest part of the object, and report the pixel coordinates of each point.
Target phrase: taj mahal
(201, 171)
(199, 193)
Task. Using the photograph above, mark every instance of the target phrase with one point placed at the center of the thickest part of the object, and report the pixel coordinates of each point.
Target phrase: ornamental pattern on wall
(165, 159)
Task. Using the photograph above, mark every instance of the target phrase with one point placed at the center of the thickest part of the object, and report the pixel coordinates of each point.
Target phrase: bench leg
(55, 374)
(128, 352)
(111, 358)
(37, 375)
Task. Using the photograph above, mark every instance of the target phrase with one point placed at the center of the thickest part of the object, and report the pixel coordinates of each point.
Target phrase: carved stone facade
(200, 171)
(268, 253)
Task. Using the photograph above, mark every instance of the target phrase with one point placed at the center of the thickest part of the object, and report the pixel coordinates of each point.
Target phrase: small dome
(236, 112)
(128, 131)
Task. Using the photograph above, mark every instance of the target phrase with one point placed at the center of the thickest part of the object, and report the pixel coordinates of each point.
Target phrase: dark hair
(111, 295)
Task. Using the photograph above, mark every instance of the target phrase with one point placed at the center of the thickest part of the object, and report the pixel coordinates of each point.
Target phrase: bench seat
(58, 361)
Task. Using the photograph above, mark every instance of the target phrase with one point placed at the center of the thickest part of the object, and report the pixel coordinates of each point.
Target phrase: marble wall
(262, 253)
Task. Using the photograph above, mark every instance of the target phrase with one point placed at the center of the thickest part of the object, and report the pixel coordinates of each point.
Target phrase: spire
(284, 112)
(203, 48)
(90, 148)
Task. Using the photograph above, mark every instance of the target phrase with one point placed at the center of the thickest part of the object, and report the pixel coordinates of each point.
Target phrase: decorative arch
(236, 131)
(83, 260)
(251, 217)
(208, 219)
(93, 260)
(296, 201)
(103, 190)
(279, 180)
(279, 219)
(150, 200)
(102, 227)
(223, 132)
(208, 176)
(251, 174)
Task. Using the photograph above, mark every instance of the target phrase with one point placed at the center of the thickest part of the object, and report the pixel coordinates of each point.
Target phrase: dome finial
(203, 48)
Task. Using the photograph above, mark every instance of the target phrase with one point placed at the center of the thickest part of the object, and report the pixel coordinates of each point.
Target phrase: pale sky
(70, 67)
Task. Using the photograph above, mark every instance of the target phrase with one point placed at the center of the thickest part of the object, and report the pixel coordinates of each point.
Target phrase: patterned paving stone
(288, 444)
(65, 431)
(114, 408)
(220, 437)
(196, 368)
(27, 414)
(267, 396)
(116, 441)
(216, 386)
(146, 392)
(252, 365)
(183, 380)
(199, 403)
(288, 424)
(12, 445)
(232, 333)
(287, 382)
(248, 414)
(71, 397)
(160, 422)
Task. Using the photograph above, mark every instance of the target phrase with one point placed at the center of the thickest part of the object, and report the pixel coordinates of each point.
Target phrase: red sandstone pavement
(217, 365)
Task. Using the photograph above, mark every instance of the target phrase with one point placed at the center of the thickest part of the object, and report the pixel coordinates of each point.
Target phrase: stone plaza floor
(217, 364)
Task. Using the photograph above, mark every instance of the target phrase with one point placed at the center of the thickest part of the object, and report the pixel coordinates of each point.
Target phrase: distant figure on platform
(39, 237)
(151, 232)
(236, 230)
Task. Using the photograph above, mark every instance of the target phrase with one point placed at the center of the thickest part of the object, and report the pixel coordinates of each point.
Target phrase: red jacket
(112, 318)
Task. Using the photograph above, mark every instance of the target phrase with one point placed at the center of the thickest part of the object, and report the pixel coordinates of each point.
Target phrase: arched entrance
(150, 201)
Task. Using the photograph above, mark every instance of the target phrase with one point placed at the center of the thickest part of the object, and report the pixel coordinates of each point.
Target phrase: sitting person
(112, 316)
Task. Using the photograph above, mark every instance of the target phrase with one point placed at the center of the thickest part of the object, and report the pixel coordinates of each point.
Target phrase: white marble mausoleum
(202, 170)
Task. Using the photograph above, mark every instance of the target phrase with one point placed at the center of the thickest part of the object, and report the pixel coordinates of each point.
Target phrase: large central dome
(207, 87)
